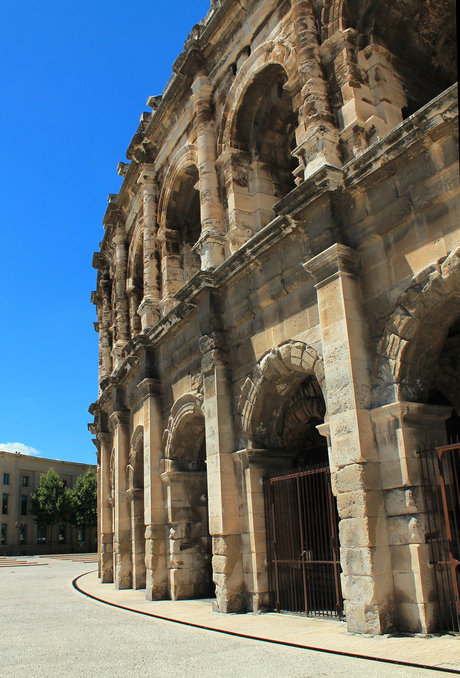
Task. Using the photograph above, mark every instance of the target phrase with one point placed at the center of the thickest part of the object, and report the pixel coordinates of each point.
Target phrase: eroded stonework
(279, 286)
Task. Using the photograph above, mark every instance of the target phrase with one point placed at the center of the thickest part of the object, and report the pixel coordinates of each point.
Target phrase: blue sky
(74, 80)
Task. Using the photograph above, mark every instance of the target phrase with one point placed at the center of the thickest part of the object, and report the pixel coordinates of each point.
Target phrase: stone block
(380, 195)
(402, 501)
(356, 476)
(360, 503)
(409, 529)
(362, 532)
(364, 561)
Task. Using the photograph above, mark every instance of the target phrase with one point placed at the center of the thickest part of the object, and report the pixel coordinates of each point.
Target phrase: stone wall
(278, 285)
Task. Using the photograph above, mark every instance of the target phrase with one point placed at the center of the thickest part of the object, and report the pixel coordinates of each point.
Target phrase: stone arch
(185, 157)
(414, 335)
(180, 224)
(183, 438)
(269, 53)
(185, 479)
(266, 395)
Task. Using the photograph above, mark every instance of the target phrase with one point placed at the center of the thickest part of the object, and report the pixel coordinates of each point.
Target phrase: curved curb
(258, 638)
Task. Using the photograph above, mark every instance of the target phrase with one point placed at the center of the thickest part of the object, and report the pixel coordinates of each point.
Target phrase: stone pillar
(121, 297)
(368, 97)
(99, 501)
(122, 527)
(154, 513)
(317, 137)
(105, 323)
(363, 530)
(189, 554)
(401, 429)
(105, 509)
(134, 296)
(223, 501)
(172, 273)
(149, 307)
(211, 243)
(234, 166)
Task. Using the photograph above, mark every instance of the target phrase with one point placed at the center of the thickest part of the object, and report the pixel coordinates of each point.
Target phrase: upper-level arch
(267, 54)
(414, 335)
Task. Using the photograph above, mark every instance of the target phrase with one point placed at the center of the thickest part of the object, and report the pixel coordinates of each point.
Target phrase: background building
(279, 288)
(20, 475)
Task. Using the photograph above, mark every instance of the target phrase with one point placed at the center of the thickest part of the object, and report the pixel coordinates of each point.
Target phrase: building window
(41, 534)
(81, 534)
(25, 481)
(62, 534)
(6, 478)
(24, 505)
(5, 505)
(3, 535)
(22, 533)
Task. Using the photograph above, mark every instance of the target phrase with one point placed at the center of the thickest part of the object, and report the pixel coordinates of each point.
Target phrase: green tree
(84, 500)
(52, 502)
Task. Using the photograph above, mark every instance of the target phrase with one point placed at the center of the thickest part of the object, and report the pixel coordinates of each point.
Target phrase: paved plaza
(50, 629)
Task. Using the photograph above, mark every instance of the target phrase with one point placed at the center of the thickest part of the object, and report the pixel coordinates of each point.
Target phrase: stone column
(149, 307)
(154, 512)
(105, 509)
(122, 523)
(223, 501)
(401, 429)
(365, 557)
(211, 243)
(121, 297)
(317, 137)
(367, 96)
(105, 322)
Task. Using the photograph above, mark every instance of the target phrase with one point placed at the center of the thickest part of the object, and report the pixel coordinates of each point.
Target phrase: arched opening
(281, 407)
(445, 384)
(183, 220)
(264, 135)
(185, 478)
(135, 496)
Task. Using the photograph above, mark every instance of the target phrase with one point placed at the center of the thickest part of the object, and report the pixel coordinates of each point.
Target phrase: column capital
(119, 418)
(150, 387)
(104, 437)
(337, 259)
(201, 88)
(147, 175)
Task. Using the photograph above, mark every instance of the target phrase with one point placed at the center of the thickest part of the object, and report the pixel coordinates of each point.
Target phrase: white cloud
(19, 447)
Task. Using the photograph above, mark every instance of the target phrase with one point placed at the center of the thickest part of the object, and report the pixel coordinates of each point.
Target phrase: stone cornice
(150, 387)
(336, 259)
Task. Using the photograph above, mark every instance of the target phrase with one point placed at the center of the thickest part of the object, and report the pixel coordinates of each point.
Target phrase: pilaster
(154, 513)
(211, 243)
(401, 429)
(105, 509)
(366, 580)
(224, 520)
(316, 136)
(149, 306)
(122, 524)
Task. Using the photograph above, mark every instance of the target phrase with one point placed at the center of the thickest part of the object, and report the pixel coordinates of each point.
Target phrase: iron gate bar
(440, 463)
(304, 569)
(454, 562)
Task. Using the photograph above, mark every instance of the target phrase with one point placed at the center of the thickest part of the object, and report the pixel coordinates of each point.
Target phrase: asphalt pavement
(50, 630)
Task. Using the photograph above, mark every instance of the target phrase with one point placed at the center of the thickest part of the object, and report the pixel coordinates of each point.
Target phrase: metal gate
(302, 543)
(441, 489)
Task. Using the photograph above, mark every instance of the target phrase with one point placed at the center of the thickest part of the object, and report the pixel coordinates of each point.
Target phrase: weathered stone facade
(283, 258)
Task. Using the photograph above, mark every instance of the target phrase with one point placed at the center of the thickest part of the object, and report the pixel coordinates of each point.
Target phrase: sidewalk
(435, 652)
